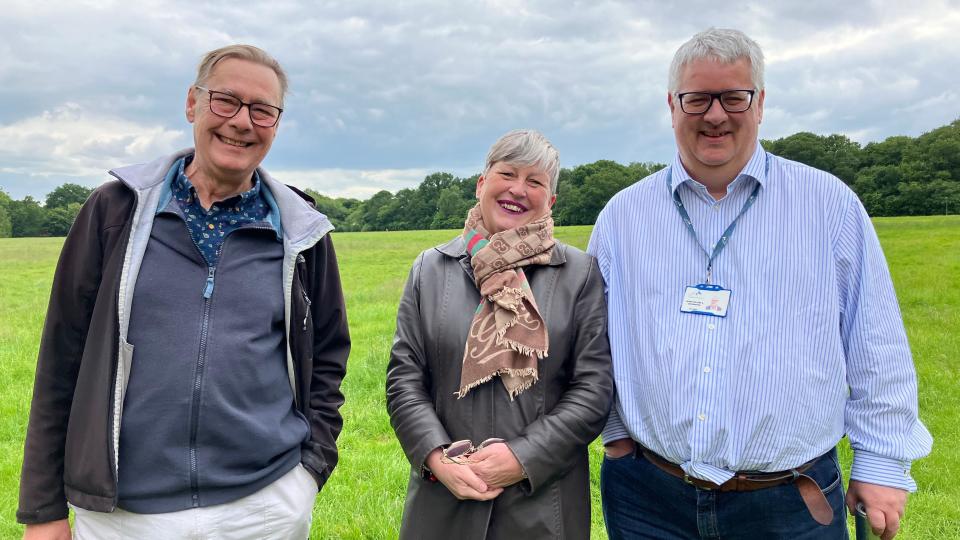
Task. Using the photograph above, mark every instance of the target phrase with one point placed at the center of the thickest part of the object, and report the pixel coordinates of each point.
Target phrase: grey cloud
(392, 87)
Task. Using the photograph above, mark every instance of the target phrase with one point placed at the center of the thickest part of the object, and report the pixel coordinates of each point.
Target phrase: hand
(884, 506)
(619, 448)
(53, 530)
(459, 479)
(496, 465)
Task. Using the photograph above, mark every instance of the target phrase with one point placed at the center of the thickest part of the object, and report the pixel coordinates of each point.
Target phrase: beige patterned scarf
(507, 334)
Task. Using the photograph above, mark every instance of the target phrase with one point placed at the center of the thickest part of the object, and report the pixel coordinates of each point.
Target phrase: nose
(242, 120)
(518, 189)
(715, 114)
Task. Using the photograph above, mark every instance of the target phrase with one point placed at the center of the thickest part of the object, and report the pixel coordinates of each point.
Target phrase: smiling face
(716, 145)
(513, 195)
(229, 149)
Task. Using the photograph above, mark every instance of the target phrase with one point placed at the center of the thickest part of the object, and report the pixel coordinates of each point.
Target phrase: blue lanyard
(725, 238)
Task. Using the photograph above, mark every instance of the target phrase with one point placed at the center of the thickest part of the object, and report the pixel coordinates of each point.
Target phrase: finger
(893, 526)
(464, 492)
(491, 493)
(484, 453)
(469, 479)
(878, 521)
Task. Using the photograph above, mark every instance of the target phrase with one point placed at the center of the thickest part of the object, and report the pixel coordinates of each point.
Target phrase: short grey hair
(722, 45)
(526, 147)
(243, 52)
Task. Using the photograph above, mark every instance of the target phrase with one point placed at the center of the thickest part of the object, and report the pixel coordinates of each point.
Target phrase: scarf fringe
(530, 374)
(463, 391)
(525, 350)
(528, 382)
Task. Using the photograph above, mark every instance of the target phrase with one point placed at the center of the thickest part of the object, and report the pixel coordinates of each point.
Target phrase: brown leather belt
(812, 496)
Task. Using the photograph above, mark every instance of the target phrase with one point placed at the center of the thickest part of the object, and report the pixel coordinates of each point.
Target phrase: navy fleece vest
(208, 414)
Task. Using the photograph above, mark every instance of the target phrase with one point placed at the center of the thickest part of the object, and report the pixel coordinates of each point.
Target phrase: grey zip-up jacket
(82, 370)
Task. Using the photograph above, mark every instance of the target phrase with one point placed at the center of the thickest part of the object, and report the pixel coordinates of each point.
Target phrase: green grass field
(364, 497)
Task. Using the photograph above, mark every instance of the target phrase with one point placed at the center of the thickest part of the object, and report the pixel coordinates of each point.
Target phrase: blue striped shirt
(812, 347)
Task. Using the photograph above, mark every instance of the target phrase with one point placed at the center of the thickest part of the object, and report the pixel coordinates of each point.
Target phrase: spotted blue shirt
(210, 227)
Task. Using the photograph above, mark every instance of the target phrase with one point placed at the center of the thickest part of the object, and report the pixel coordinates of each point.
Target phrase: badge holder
(706, 299)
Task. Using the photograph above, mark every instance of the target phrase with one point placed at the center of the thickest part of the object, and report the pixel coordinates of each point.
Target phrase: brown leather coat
(548, 427)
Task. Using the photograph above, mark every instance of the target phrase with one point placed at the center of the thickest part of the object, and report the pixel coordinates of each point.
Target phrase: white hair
(526, 147)
(722, 45)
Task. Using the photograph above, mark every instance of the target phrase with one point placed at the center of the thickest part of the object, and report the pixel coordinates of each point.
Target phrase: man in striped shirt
(753, 323)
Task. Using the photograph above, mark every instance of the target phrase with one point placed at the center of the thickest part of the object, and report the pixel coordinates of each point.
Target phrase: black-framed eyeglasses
(227, 106)
(732, 101)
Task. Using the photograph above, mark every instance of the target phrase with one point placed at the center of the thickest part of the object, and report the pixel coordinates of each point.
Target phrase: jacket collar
(300, 222)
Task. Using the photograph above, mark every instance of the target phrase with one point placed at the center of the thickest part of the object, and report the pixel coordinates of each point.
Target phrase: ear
(553, 199)
(479, 186)
(673, 107)
(191, 104)
(763, 93)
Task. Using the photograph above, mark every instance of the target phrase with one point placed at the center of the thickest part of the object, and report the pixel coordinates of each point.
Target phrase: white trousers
(281, 511)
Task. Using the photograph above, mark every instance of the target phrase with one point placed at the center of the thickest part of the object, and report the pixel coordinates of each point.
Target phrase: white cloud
(396, 87)
(354, 183)
(70, 141)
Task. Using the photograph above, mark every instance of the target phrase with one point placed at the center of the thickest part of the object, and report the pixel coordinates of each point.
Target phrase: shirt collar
(756, 168)
(182, 184)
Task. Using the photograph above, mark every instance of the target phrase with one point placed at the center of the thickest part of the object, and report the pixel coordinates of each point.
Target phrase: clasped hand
(482, 476)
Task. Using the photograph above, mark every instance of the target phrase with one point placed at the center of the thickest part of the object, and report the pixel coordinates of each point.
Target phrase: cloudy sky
(383, 93)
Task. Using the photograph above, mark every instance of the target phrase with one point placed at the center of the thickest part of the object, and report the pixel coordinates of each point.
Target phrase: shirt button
(706, 369)
(702, 417)
(716, 208)
(711, 326)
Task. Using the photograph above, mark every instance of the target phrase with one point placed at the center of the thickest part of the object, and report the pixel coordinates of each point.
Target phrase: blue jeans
(641, 501)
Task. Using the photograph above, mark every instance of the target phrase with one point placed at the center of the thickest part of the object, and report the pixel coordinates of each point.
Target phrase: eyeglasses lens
(227, 106)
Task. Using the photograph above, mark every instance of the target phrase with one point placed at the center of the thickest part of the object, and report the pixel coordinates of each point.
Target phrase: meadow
(364, 497)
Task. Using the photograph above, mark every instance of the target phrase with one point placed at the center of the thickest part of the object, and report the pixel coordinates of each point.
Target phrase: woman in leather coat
(499, 375)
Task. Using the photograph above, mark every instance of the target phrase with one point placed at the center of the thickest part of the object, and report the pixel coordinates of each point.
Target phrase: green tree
(26, 217)
(835, 154)
(366, 215)
(6, 227)
(587, 188)
(334, 209)
(887, 152)
(451, 209)
(58, 220)
(66, 194)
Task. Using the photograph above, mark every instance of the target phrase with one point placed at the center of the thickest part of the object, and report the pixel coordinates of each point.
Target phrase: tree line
(900, 176)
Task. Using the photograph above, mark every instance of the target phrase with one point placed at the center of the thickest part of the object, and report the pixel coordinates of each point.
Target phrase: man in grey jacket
(190, 364)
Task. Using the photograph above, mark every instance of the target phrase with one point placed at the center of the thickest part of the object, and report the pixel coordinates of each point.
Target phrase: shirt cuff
(874, 469)
(614, 430)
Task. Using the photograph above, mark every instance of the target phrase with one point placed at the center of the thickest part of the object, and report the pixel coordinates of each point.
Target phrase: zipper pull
(307, 314)
(208, 289)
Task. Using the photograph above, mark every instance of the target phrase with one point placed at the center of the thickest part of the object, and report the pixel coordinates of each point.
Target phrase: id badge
(705, 299)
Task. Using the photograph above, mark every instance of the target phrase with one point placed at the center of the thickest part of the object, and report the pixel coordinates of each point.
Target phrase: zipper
(208, 287)
(303, 291)
(197, 385)
(306, 316)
